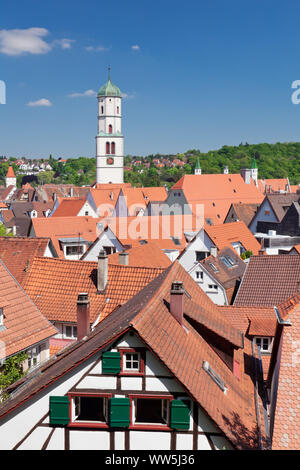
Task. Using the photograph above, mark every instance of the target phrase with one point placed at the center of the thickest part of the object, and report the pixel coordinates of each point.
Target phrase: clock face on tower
(110, 161)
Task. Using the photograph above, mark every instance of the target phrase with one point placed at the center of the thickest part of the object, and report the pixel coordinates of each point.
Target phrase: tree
(11, 372)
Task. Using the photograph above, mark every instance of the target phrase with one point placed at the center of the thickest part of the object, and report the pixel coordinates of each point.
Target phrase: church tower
(254, 171)
(10, 179)
(197, 170)
(109, 140)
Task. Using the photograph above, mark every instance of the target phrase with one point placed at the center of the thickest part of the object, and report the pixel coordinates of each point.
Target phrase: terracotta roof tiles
(181, 350)
(54, 284)
(17, 253)
(24, 323)
(225, 234)
(269, 280)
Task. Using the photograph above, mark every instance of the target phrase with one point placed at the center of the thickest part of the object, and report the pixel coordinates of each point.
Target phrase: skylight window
(228, 261)
(214, 376)
(213, 267)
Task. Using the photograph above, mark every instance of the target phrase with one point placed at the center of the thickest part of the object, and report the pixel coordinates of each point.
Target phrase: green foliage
(278, 160)
(246, 254)
(11, 372)
(3, 231)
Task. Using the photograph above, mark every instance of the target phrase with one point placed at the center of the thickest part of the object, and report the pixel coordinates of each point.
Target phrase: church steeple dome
(109, 89)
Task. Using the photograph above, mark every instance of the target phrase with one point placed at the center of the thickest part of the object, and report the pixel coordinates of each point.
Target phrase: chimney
(214, 251)
(71, 191)
(102, 271)
(83, 316)
(177, 301)
(124, 258)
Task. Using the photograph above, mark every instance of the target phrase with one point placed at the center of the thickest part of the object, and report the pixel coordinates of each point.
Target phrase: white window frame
(75, 409)
(261, 339)
(76, 253)
(165, 411)
(34, 357)
(73, 335)
(131, 369)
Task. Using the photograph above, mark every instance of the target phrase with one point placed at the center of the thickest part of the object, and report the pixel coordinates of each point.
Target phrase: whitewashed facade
(28, 427)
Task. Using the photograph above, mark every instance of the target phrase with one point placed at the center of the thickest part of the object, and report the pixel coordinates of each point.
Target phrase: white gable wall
(22, 426)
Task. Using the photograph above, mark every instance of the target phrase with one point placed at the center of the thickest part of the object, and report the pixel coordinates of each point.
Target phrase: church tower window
(113, 148)
(108, 148)
(110, 129)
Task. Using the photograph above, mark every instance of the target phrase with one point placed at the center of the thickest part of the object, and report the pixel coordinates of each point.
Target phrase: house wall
(261, 216)
(106, 239)
(87, 208)
(28, 427)
(218, 296)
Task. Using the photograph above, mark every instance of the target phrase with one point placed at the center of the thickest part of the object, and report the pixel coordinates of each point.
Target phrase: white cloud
(97, 48)
(63, 43)
(15, 42)
(84, 94)
(23, 41)
(41, 102)
(135, 48)
(128, 96)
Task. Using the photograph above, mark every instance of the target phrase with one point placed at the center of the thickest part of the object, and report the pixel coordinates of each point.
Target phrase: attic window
(213, 267)
(228, 261)
(214, 376)
(176, 240)
(209, 221)
(264, 343)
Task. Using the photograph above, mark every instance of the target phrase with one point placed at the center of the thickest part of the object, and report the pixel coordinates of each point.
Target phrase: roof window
(214, 376)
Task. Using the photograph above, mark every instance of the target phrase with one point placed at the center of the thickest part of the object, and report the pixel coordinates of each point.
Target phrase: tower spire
(109, 69)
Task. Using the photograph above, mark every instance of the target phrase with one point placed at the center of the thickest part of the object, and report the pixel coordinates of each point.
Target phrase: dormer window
(264, 343)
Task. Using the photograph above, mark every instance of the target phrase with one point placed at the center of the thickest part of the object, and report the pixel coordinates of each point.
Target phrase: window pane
(91, 409)
(149, 410)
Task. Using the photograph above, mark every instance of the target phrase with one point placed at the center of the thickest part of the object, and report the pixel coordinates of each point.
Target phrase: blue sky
(195, 74)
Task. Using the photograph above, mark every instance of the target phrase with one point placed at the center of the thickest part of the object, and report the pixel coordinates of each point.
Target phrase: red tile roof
(24, 323)
(217, 192)
(65, 227)
(269, 280)
(286, 390)
(17, 253)
(54, 284)
(148, 254)
(10, 172)
(182, 350)
(226, 234)
(69, 207)
(161, 229)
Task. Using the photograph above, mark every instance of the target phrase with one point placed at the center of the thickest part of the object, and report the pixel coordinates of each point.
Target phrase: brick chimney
(177, 301)
(102, 271)
(124, 258)
(83, 316)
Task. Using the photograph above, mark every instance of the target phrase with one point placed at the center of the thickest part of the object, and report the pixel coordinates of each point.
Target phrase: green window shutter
(180, 415)
(111, 362)
(59, 410)
(119, 415)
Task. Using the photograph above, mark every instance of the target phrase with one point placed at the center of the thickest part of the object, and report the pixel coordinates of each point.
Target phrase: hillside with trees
(278, 160)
